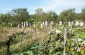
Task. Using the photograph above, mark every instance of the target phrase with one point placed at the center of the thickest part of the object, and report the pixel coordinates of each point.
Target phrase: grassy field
(31, 41)
(24, 41)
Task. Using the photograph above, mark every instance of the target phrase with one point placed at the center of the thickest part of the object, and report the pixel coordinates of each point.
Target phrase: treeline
(16, 16)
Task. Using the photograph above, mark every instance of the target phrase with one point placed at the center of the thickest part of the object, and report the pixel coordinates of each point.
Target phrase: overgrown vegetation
(54, 44)
(16, 16)
(39, 41)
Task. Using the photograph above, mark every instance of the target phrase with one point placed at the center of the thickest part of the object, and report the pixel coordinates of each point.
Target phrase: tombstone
(46, 23)
(22, 24)
(69, 24)
(81, 24)
(72, 22)
(18, 25)
(60, 23)
(41, 25)
(76, 23)
(51, 24)
(26, 24)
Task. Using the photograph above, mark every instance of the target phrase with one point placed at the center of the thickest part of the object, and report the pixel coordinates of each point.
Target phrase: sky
(47, 5)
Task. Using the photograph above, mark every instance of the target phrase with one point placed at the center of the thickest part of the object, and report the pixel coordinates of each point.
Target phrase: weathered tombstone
(26, 24)
(51, 25)
(76, 23)
(41, 25)
(72, 23)
(46, 23)
(60, 23)
(18, 25)
(81, 24)
(22, 25)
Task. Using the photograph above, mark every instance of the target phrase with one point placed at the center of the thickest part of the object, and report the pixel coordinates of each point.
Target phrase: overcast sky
(54, 5)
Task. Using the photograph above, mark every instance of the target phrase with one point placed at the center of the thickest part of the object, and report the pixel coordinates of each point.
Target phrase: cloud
(59, 5)
(53, 4)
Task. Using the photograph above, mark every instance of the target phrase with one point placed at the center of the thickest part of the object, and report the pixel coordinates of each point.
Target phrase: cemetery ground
(54, 40)
(22, 42)
(42, 33)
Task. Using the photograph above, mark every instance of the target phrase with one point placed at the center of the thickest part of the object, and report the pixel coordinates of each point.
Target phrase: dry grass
(41, 35)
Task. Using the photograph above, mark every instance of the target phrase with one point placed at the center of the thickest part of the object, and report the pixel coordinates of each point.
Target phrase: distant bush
(1, 28)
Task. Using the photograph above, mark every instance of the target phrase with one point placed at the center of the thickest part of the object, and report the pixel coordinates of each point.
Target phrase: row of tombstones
(46, 24)
(25, 24)
(41, 24)
(73, 23)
